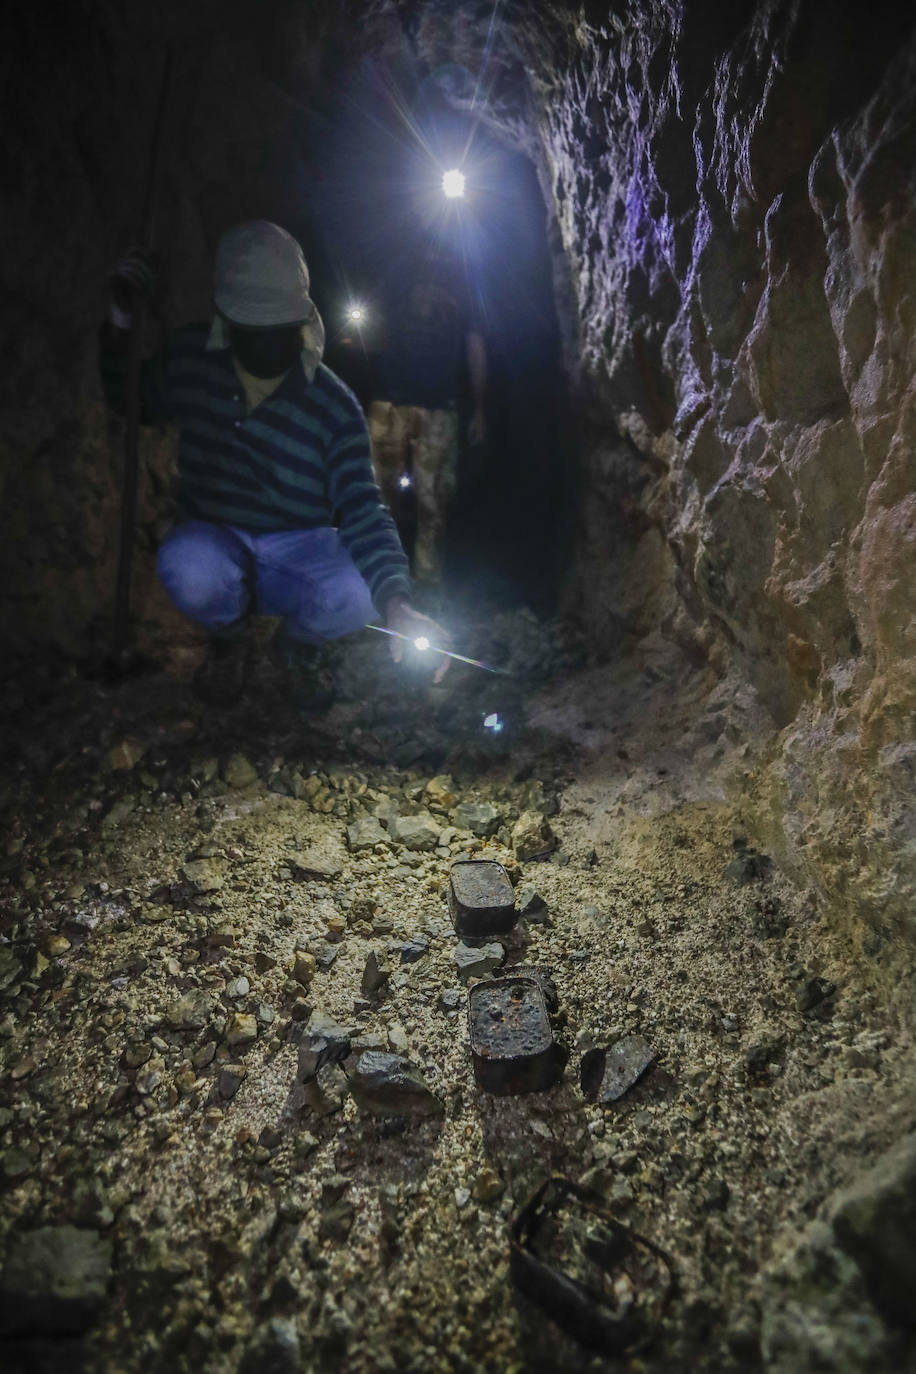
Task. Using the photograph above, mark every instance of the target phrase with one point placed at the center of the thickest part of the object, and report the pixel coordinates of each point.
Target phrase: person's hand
(404, 620)
(134, 278)
(477, 428)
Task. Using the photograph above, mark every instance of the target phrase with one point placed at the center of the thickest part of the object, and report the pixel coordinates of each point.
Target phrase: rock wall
(733, 190)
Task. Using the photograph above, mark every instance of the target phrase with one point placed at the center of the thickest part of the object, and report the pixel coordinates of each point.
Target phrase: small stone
(532, 836)
(125, 755)
(231, 1077)
(488, 1185)
(10, 967)
(55, 945)
(462, 1197)
(324, 1094)
(398, 1041)
(135, 1055)
(415, 832)
(239, 772)
(238, 987)
(375, 974)
(414, 950)
(477, 961)
(365, 833)
(191, 1011)
(240, 1029)
(324, 1042)
(450, 999)
(204, 1056)
(389, 1085)
(324, 859)
(305, 966)
(530, 903)
(441, 792)
(606, 1074)
(204, 875)
(812, 993)
(325, 957)
(336, 1222)
(481, 818)
(305, 1144)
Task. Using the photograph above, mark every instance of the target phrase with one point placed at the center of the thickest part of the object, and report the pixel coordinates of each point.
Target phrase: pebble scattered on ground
(239, 1125)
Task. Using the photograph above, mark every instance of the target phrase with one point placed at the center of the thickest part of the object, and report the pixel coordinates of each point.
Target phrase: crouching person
(281, 513)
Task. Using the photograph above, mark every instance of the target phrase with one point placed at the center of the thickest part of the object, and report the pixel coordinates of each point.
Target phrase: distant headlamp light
(404, 481)
(355, 313)
(453, 183)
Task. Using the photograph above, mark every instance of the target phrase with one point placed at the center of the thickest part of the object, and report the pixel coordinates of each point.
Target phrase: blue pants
(217, 574)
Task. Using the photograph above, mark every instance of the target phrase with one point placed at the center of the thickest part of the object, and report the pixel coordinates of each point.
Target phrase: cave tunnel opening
(366, 1022)
(378, 229)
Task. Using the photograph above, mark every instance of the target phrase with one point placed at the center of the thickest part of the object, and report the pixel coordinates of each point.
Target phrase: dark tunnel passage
(376, 224)
(553, 1012)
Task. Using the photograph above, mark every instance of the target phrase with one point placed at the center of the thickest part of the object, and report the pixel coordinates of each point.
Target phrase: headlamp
(453, 183)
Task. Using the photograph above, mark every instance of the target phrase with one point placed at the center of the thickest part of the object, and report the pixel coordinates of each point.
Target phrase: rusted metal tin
(512, 1043)
(481, 900)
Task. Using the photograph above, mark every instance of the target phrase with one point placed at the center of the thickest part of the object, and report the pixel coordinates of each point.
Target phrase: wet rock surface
(281, 1159)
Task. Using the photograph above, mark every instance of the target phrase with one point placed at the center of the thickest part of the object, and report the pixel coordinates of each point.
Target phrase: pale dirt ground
(646, 770)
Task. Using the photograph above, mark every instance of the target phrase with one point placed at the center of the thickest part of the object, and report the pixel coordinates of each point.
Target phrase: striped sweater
(300, 460)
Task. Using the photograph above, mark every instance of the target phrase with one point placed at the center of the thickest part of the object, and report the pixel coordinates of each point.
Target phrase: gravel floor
(182, 892)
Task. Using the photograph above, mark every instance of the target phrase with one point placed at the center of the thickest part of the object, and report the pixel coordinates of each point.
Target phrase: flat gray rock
(416, 832)
(608, 1073)
(365, 834)
(389, 1085)
(324, 1042)
(476, 961)
(481, 818)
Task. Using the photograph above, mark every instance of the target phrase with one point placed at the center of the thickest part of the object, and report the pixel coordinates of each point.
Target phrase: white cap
(260, 277)
(261, 280)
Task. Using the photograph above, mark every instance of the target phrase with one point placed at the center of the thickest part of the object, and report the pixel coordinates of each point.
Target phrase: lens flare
(404, 482)
(493, 722)
(453, 183)
(449, 653)
(422, 643)
(355, 313)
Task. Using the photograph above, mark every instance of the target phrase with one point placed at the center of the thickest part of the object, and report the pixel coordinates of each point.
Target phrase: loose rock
(388, 1084)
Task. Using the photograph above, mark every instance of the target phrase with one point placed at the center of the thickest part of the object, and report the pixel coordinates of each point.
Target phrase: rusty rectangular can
(481, 900)
(512, 1044)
